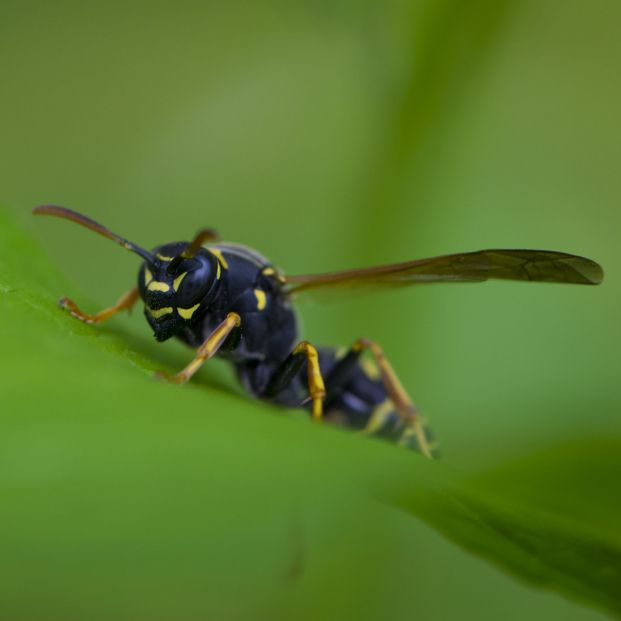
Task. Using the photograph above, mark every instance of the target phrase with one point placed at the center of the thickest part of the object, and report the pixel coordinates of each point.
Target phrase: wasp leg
(283, 375)
(206, 351)
(126, 302)
(204, 235)
(344, 370)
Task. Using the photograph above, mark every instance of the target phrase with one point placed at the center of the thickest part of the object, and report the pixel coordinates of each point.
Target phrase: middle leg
(284, 374)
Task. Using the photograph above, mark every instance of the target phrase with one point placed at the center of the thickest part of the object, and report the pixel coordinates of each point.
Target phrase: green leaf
(549, 550)
(126, 498)
(446, 45)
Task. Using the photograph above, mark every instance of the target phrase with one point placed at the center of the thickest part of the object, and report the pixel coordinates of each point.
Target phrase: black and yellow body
(239, 280)
(228, 300)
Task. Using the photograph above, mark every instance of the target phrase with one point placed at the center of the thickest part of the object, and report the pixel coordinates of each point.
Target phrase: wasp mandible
(228, 300)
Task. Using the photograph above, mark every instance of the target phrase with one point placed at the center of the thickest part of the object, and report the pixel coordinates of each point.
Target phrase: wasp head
(177, 281)
(176, 289)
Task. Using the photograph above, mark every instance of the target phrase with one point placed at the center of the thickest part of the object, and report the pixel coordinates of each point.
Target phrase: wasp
(228, 300)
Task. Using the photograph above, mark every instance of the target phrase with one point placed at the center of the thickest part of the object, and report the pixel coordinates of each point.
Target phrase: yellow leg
(316, 386)
(126, 302)
(206, 351)
(397, 394)
(204, 235)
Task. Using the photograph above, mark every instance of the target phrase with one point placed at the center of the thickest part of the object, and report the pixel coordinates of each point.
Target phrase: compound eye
(193, 279)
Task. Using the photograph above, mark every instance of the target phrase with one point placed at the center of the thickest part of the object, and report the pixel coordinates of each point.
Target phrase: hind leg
(344, 370)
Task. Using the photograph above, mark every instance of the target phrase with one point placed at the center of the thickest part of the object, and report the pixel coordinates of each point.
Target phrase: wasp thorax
(177, 290)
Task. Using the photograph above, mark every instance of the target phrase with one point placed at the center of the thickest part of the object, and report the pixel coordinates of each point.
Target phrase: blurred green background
(332, 135)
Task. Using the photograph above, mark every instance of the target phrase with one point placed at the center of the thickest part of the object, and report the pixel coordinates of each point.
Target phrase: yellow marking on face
(261, 299)
(187, 313)
(221, 259)
(156, 285)
(160, 312)
(163, 257)
(219, 272)
(148, 276)
(177, 281)
(269, 271)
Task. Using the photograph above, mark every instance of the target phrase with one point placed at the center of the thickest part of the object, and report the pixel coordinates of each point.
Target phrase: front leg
(206, 351)
(290, 368)
(125, 302)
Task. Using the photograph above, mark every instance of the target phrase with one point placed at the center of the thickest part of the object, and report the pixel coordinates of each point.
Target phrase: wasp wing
(533, 265)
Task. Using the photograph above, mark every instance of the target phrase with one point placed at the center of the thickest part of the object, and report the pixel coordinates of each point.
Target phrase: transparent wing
(532, 265)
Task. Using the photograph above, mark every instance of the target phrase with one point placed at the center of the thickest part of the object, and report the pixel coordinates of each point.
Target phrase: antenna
(74, 216)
